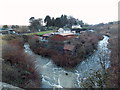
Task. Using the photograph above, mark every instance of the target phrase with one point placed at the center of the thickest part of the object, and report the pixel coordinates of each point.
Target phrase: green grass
(85, 28)
(41, 33)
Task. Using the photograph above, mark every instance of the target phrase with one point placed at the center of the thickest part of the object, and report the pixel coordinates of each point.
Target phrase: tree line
(62, 21)
(36, 24)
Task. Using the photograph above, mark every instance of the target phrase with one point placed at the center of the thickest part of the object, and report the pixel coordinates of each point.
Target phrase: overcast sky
(18, 12)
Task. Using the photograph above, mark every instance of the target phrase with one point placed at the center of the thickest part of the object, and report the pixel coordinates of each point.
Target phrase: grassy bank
(41, 33)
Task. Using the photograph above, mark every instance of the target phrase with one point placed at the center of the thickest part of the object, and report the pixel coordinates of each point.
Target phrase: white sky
(18, 12)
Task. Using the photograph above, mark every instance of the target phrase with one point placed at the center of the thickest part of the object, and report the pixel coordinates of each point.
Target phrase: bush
(14, 40)
(25, 38)
(115, 68)
(84, 45)
(22, 64)
(11, 75)
(12, 37)
(33, 42)
(97, 79)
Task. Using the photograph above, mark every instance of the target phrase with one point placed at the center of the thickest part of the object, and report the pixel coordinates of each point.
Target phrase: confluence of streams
(54, 76)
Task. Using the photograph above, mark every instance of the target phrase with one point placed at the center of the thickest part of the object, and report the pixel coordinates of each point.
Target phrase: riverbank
(53, 76)
(115, 64)
(114, 69)
(81, 46)
(112, 30)
(15, 60)
(58, 77)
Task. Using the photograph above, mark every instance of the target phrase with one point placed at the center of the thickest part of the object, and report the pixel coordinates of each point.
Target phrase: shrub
(14, 40)
(84, 45)
(25, 38)
(22, 63)
(96, 79)
(33, 42)
(115, 81)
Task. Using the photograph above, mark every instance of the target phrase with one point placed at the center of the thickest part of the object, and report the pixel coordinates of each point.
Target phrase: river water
(57, 77)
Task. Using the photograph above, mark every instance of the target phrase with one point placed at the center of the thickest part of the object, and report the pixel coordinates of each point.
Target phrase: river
(57, 77)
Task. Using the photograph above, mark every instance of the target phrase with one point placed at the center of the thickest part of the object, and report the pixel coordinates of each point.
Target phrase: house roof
(76, 26)
(57, 38)
(60, 29)
(62, 38)
(47, 34)
(65, 34)
(69, 47)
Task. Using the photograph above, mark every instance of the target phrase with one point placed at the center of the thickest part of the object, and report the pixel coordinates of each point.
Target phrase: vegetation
(51, 23)
(115, 65)
(97, 79)
(83, 46)
(14, 26)
(5, 27)
(62, 21)
(35, 24)
(111, 29)
(41, 33)
(16, 61)
(22, 29)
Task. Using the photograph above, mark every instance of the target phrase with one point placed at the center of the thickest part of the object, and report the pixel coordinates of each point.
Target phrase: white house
(76, 26)
(64, 30)
(61, 30)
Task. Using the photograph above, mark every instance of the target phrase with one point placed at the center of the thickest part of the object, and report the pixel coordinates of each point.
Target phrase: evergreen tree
(5, 27)
(48, 20)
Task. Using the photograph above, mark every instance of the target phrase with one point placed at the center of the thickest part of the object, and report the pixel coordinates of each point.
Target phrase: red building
(61, 43)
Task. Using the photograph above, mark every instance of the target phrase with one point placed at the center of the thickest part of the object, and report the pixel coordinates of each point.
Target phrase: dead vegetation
(18, 67)
(84, 45)
(115, 65)
(113, 31)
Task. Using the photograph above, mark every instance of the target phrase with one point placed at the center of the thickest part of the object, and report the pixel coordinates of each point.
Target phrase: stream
(57, 77)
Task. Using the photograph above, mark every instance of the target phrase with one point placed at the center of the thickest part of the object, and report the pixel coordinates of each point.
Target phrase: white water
(55, 77)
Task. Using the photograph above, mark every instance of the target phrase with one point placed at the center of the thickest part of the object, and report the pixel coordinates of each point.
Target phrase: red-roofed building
(69, 47)
(60, 38)
(45, 36)
(57, 38)
(59, 42)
